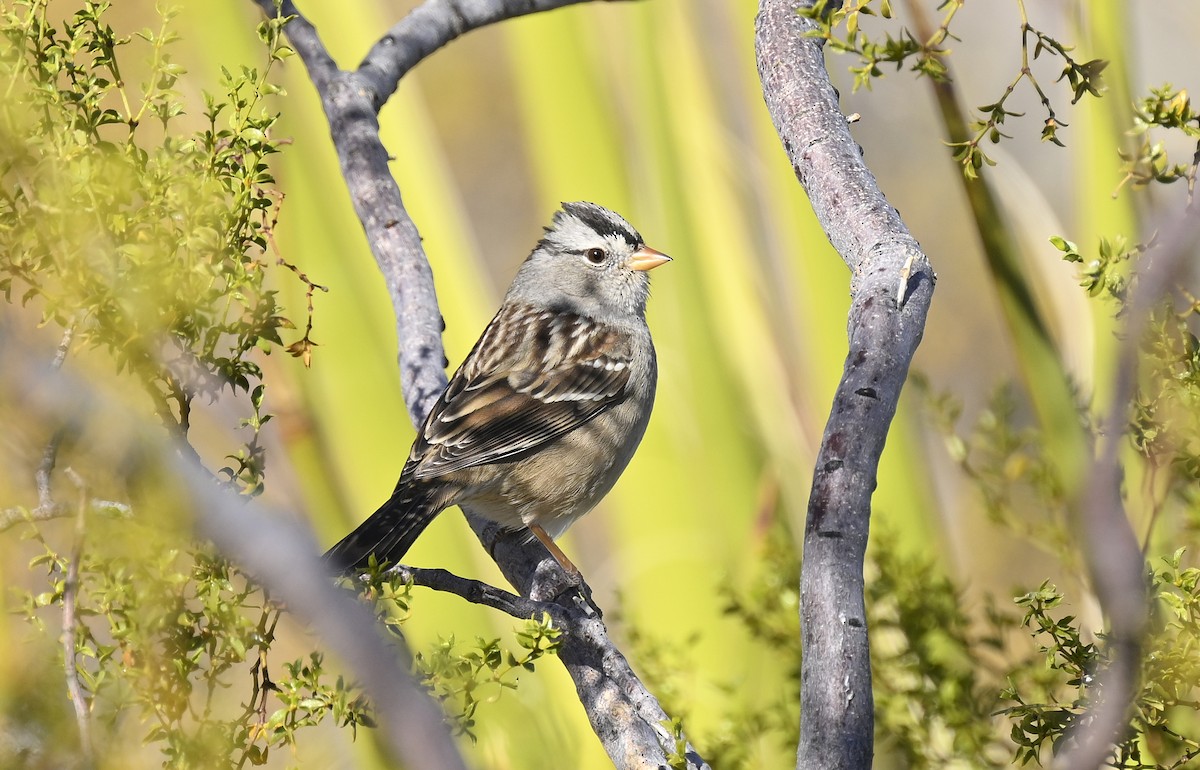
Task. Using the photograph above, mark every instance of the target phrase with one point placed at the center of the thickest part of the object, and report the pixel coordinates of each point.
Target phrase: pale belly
(554, 488)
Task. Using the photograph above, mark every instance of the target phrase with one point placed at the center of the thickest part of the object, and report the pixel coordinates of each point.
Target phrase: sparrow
(546, 411)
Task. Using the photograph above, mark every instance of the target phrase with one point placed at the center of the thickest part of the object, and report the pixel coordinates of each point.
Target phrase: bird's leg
(556, 552)
(574, 577)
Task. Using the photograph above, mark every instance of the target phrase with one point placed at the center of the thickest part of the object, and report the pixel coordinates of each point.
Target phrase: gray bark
(891, 287)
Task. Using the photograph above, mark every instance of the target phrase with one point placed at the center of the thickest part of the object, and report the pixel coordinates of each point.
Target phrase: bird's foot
(553, 582)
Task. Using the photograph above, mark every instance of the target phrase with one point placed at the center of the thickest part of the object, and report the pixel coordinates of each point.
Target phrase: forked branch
(624, 714)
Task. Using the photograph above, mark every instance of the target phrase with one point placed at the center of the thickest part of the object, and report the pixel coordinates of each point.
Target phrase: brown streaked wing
(553, 373)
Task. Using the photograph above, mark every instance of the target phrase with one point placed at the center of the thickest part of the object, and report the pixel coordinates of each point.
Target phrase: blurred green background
(654, 109)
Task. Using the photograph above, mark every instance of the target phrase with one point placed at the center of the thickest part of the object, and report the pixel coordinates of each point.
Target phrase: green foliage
(677, 759)
(927, 57)
(1073, 664)
(957, 686)
(1165, 732)
(161, 638)
(141, 243)
(148, 243)
(1019, 483)
(934, 669)
(463, 677)
(1007, 463)
(1082, 77)
(460, 676)
(1108, 273)
(924, 52)
(1165, 419)
(1021, 490)
(305, 701)
(1169, 109)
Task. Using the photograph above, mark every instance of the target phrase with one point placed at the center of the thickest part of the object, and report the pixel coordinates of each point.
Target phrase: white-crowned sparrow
(546, 411)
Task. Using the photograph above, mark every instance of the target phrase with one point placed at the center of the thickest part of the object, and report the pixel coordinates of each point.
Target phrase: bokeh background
(654, 109)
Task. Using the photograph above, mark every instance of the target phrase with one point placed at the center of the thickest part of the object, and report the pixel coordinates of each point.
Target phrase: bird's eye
(595, 256)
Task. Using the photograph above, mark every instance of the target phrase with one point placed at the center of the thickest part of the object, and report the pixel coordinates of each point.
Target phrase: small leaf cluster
(1043, 720)
(1020, 486)
(462, 677)
(148, 242)
(306, 700)
(1169, 109)
(1164, 733)
(928, 58)
(163, 641)
(1172, 671)
(1082, 77)
(1108, 273)
(1163, 422)
(1165, 415)
(247, 466)
(677, 758)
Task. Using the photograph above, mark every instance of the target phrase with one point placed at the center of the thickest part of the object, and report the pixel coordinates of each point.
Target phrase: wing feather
(542, 376)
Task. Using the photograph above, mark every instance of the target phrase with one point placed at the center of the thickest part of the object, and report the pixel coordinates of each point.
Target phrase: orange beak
(646, 258)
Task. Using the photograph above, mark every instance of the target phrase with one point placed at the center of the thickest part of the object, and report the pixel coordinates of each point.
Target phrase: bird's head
(592, 261)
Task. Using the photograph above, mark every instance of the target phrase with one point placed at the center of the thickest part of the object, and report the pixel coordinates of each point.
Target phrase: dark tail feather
(388, 533)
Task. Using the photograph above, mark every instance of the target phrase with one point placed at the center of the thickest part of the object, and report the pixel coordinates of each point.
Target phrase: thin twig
(350, 109)
(279, 556)
(70, 628)
(477, 592)
(64, 345)
(10, 517)
(45, 470)
(50, 454)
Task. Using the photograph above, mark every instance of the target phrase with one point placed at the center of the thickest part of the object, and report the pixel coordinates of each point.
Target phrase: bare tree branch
(886, 321)
(477, 592)
(625, 716)
(616, 702)
(351, 110)
(1114, 557)
(430, 26)
(50, 454)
